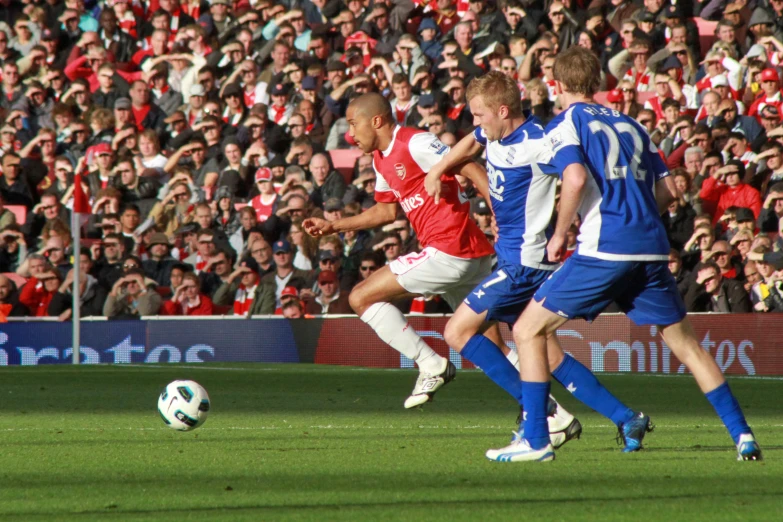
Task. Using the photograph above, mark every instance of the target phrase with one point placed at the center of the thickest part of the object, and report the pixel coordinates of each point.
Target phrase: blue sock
(583, 385)
(729, 411)
(486, 355)
(536, 397)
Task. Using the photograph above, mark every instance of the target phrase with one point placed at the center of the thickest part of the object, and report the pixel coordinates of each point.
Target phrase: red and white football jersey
(401, 170)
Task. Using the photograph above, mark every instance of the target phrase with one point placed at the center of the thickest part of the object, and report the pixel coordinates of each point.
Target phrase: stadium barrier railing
(743, 344)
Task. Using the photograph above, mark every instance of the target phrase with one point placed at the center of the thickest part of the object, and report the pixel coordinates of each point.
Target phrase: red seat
(20, 211)
(18, 280)
(344, 161)
(222, 310)
(600, 97)
(706, 34)
(641, 97)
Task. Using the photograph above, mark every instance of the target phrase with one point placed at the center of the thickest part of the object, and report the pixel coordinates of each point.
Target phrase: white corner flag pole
(76, 305)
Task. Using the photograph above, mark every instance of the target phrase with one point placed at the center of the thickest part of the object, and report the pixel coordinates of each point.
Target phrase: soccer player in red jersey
(456, 253)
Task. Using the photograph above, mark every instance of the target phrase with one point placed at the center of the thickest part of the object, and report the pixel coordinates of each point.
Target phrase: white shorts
(431, 272)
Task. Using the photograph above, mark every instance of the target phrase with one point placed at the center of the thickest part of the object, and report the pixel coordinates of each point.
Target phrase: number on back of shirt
(614, 168)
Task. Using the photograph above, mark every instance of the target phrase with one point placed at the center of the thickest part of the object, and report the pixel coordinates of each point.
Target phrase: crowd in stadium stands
(207, 131)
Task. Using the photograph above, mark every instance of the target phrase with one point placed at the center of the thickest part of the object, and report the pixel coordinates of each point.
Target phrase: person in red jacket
(725, 189)
(187, 300)
(38, 292)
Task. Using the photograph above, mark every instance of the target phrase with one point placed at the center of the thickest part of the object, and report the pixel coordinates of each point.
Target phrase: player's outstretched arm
(380, 214)
(463, 151)
(571, 192)
(665, 193)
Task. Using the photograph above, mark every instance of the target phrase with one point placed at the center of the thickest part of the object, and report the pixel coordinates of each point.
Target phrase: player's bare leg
(480, 342)
(370, 300)
(682, 341)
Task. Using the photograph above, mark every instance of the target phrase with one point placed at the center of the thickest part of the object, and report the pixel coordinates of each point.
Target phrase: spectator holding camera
(130, 298)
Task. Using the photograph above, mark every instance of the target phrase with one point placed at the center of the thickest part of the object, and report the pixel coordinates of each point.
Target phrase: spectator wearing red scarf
(147, 115)
(243, 292)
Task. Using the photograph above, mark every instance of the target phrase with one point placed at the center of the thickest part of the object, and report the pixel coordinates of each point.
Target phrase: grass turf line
(300, 442)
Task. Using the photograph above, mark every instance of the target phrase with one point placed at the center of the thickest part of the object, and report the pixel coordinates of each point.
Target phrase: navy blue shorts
(505, 293)
(645, 290)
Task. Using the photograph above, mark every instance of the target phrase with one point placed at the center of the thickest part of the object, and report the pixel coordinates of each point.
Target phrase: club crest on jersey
(399, 168)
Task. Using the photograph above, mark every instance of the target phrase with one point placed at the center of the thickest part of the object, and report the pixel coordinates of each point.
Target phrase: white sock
(393, 329)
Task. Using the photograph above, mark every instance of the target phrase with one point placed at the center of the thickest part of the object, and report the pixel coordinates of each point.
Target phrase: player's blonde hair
(578, 70)
(496, 89)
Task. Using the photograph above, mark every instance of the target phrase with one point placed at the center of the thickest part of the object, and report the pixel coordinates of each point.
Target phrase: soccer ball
(183, 405)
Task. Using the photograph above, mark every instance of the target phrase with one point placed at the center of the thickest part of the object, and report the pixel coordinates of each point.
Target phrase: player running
(615, 179)
(456, 256)
(522, 193)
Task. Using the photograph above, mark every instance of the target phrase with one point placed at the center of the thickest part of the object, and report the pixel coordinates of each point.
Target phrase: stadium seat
(706, 34)
(18, 280)
(641, 97)
(600, 97)
(344, 160)
(221, 309)
(20, 211)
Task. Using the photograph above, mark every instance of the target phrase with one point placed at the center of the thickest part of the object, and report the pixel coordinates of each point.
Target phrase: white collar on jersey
(391, 143)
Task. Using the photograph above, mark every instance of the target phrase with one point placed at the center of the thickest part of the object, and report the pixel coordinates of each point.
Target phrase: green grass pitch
(300, 442)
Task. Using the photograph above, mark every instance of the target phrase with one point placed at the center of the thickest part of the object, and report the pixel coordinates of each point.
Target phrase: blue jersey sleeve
(481, 138)
(563, 138)
(660, 170)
